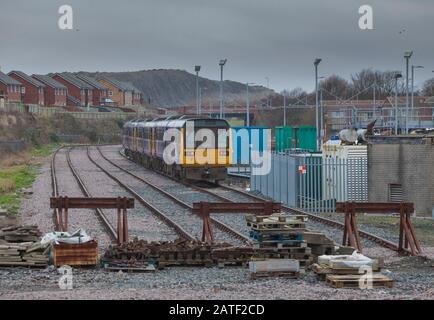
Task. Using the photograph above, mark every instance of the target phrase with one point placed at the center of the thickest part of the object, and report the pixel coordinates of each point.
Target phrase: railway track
(314, 217)
(218, 224)
(100, 215)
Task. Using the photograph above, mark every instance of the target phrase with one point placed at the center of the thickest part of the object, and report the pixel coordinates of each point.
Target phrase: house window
(110, 93)
(23, 89)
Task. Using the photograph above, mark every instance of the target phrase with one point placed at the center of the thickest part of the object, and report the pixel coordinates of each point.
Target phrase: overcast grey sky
(260, 38)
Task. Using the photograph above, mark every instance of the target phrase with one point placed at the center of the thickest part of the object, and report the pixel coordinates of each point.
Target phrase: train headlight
(222, 153)
(189, 153)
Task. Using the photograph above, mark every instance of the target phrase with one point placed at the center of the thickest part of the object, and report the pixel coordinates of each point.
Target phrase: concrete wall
(409, 162)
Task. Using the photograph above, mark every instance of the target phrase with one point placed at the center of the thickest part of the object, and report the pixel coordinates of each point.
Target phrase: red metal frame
(407, 234)
(62, 204)
(205, 208)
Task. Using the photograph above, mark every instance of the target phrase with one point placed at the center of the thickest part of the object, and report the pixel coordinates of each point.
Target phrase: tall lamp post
(248, 103)
(407, 56)
(197, 69)
(316, 63)
(284, 108)
(412, 87)
(397, 76)
(221, 64)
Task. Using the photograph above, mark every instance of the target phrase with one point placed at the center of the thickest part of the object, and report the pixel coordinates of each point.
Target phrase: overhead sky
(278, 39)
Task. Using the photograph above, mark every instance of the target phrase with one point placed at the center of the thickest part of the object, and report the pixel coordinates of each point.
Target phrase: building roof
(28, 78)
(8, 80)
(124, 86)
(49, 81)
(92, 82)
(72, 79)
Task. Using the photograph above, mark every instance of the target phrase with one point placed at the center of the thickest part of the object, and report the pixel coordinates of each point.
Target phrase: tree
(335, 86)
(362, 84)
(428, 87)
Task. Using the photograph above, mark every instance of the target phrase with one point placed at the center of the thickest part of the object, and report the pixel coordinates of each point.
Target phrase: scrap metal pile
(140, 254)
(20, 246)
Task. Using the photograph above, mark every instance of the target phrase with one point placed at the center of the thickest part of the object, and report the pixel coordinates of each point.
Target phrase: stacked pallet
(20, 246)
(350, 271)
(279, 237)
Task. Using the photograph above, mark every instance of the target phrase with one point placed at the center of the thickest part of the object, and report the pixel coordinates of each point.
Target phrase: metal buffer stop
(407, 234)
(205, 208)
(63, 204)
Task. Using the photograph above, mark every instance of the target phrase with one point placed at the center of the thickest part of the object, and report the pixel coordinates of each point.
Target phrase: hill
(170, 88)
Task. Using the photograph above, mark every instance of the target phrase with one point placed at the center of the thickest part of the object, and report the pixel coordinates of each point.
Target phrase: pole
(248, 104)
(197, 92)
(316, 107)
(396, 106)
(200, 100)
(406, 95)
(412, 89)
(221, 91)
(284, 108)
(321, 133)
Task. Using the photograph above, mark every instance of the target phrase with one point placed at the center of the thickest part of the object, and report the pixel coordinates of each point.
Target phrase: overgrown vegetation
(12, 181)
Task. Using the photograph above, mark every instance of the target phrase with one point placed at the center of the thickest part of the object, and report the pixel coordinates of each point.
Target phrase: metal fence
(12, 145)
(313, 183)
(51, 111)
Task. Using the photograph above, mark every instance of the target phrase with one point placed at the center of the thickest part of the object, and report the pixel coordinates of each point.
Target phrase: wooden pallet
(261, 275)
(275, 235)
(282, 247)
(352, 281)
(232, 263)
(276, 218)
(128, 269)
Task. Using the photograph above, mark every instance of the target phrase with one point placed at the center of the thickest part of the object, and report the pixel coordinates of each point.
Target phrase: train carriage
(143, 141)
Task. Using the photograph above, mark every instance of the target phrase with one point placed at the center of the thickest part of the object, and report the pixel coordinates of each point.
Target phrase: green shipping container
(303, 137)
(306, 136)
(285, 138)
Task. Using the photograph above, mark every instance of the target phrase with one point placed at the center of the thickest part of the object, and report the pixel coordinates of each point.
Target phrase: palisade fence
(51, 111)
(312, 182)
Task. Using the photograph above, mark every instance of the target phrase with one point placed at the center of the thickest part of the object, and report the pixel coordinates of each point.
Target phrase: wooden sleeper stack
(20, 246)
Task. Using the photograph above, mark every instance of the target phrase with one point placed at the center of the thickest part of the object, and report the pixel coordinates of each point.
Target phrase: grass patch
(44, 151)
(424, 227)
(12, 181)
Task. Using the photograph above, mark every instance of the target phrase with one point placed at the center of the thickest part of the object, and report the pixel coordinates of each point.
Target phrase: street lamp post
(412, 87)
(284, 108)
(197, 69)
(248, 103)
(407, 57)
(397, 76)
(316, 63)
(221, 64)
(268, 86)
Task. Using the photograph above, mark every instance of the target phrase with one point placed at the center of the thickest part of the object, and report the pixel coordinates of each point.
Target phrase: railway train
(143, 142)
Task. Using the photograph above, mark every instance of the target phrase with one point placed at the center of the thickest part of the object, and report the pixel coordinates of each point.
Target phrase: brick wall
(410, 164)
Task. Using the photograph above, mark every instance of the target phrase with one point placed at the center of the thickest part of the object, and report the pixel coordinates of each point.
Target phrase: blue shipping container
(243, 138)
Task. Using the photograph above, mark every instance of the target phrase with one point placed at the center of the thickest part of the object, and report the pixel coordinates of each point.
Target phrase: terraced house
(33, 91)
(99, 91)
(79, 92)
(11, 90)
(122, 93)
(55, 93)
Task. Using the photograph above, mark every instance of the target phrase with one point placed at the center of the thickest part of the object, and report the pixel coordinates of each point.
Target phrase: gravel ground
(414, 280)
(141, 222)
(181, 215)
(414, 276)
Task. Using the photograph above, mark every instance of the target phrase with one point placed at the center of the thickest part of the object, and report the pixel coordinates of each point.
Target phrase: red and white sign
(302, 169)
